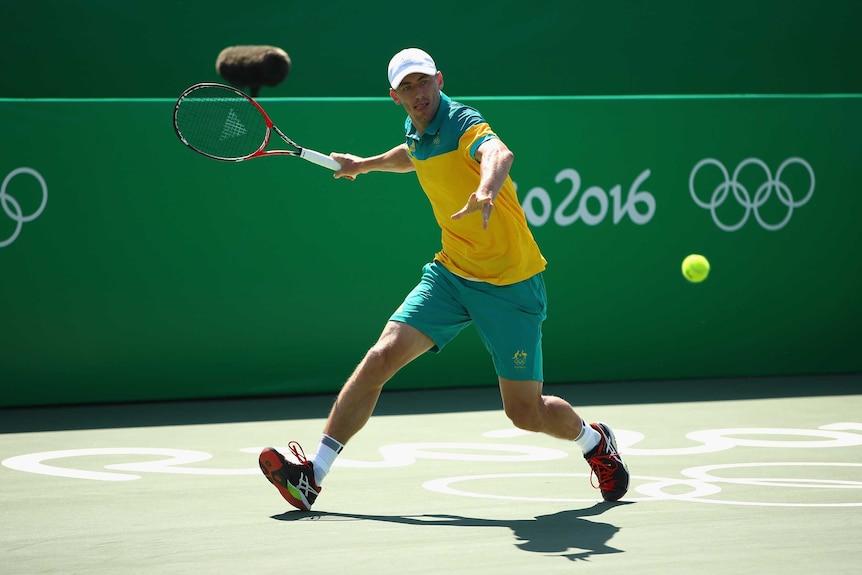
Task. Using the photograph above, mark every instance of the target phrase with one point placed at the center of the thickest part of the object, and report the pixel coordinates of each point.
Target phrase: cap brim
(396, 81)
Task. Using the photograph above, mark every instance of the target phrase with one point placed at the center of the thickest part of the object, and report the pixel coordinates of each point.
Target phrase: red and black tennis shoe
(294, 481)
(607, 465)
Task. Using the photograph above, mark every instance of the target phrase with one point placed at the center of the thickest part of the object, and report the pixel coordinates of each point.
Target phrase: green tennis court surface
(740, 476)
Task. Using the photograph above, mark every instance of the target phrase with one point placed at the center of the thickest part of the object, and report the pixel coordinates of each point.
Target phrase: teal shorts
(508, 318)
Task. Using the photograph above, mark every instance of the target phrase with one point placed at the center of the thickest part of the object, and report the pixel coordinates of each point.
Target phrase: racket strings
(220, 123)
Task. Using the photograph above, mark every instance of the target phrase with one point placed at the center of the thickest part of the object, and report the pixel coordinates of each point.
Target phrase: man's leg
(398, 345)
(530, 410)
(299, 483)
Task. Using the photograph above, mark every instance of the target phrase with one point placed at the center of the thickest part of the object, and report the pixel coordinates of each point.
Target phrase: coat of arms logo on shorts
(520, 359)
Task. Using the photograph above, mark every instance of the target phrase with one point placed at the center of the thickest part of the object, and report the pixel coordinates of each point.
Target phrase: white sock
(588, 438)
(327, 451)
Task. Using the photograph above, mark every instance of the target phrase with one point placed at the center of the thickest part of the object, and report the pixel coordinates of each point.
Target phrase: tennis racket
(223, 123)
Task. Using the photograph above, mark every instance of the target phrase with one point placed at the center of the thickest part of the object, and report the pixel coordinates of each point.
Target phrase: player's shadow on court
(566, 533)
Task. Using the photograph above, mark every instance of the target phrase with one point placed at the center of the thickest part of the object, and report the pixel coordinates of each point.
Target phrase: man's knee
(524, 417)
(380, 356)
(397, 346)
(522, 402)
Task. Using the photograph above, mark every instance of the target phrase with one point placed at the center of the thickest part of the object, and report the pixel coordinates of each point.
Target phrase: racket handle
(319, 159)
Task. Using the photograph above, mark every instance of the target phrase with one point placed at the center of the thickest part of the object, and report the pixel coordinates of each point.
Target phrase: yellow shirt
(443, 156)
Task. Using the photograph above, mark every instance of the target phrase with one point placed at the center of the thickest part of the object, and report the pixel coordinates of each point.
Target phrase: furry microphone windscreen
(253, 66)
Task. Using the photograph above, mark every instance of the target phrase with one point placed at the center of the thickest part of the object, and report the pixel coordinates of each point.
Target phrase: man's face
(420, 96)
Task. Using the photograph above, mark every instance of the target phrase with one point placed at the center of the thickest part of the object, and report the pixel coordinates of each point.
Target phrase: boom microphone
(253, 66)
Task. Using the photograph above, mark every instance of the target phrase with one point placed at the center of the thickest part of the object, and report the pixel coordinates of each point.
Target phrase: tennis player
(488, 273)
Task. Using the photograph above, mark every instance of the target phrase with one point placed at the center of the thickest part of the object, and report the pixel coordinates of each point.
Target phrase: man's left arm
(495, 159)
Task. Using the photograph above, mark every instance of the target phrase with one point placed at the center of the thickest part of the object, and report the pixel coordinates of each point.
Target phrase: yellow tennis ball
(695, 268)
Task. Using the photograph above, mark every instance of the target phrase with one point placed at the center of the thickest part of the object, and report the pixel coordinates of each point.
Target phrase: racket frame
(301, 152)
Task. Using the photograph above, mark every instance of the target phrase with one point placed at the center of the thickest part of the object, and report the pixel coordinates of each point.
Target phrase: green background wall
(155, 48)
(155, 273)
(152, 273)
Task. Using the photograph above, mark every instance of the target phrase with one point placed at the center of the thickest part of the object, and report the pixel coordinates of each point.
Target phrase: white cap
(409, 61)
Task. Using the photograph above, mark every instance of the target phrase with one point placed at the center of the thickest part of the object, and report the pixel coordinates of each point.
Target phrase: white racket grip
(319, 159)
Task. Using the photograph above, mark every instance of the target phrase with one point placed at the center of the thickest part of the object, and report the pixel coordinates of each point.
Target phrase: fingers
(460, 214)
(487, 206)
(471, 206)
(347, 162)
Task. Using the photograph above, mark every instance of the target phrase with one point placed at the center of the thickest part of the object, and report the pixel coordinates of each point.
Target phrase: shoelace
(603, 473)
(298, 453)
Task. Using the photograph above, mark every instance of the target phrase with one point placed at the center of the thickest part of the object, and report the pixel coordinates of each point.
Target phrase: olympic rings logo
(742, 195)
(723, 483)
(13, 208)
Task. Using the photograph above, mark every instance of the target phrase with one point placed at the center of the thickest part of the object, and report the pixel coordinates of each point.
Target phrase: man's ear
(439, 79)
(394, 95)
